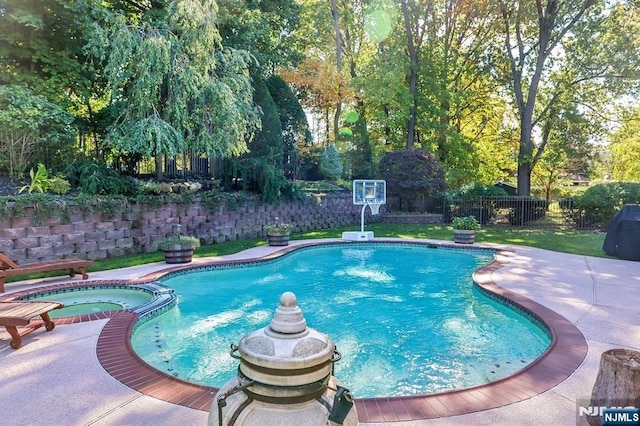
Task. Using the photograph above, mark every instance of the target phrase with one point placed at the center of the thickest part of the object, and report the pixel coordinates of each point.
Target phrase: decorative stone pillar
(284, 377)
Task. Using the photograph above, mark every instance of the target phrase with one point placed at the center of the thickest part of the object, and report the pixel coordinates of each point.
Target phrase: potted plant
(177, 248)
(464, 229)
(278, 233)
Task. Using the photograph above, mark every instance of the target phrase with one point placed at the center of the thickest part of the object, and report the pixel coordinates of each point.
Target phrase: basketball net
(374, 206)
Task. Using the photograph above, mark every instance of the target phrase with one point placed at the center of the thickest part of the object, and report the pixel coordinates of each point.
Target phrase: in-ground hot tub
(100, 297)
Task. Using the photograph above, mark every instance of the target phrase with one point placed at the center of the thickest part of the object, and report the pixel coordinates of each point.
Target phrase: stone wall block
(116, 252)
(83, 227)
(123, 224)
(105, 226)
(87, 247)
(157, 222)
(106, 244)
(93, 217)
(166, 213)
(13, 233)
(94, 236)
(5, 245)
(40, 253)
(26, 243)
(75, 238)
(51, 240)
(130, 216)
(62, 229)
(115, 217)
(76, 217)
(142, 241)
(53, 221)
(21, 222)
(148, 214)
(124, 242)
(19, 256)
(64, 250)
(97, 254)
(115, 234)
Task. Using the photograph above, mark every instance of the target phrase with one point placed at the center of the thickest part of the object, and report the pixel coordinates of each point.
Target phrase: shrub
(29, 124)
(98, 179)
(167, 243)
(59, 185)
(600, 202)
(469, 223)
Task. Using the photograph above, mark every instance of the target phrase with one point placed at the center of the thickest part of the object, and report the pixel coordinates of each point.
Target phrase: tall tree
(293, 120)
(557, 47)
(179, 86)
(260, 169)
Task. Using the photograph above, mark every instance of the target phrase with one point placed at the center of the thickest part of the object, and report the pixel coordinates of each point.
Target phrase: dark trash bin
(623, 237)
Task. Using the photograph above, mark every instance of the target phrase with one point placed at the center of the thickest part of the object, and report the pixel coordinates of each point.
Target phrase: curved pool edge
(565, 354)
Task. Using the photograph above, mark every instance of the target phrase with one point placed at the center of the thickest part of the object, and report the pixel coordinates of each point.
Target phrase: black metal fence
(511, 210)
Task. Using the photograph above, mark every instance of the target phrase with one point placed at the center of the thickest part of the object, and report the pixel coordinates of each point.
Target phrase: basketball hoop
(366, 192)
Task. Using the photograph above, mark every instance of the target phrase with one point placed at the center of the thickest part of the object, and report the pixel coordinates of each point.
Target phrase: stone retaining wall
(135, 227)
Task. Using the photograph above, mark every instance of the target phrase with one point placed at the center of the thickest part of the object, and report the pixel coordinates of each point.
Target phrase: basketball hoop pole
(364, 206)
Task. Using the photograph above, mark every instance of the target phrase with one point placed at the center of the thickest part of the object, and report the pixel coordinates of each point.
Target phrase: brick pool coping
(564, 355)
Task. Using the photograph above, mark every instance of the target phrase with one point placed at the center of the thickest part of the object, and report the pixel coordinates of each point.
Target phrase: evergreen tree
(295, 129)
(330, 163)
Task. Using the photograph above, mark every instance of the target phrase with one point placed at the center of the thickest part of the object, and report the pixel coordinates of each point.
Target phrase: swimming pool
(426, 295)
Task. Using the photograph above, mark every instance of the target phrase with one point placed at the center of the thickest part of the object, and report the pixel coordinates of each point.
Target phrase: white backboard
(367, 191)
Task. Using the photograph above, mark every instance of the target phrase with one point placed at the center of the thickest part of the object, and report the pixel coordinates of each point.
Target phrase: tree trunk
(413, 77)
(158, 161)
(338, 111)
(617, 383)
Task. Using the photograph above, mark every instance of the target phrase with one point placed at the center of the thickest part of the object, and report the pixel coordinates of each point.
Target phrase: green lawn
(586, 243)
(577, 242)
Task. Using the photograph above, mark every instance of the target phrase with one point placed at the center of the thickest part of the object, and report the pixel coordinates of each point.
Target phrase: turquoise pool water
(406, 318)
(86, 301)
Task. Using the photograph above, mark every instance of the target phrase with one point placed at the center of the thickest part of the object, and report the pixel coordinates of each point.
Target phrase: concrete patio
(56, 379)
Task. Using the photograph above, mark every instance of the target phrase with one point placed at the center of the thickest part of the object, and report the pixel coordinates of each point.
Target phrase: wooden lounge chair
(9, 268)
(19, 314)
